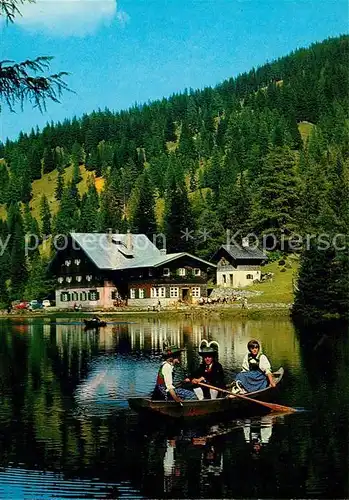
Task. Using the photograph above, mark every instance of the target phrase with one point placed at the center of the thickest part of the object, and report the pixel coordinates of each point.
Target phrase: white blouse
(264, 364)
(167, 370)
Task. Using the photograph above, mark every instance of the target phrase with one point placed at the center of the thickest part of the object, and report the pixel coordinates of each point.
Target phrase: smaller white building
(238, 265)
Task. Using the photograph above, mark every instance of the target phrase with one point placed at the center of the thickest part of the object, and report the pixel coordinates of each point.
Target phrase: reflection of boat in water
(206, 407)
(92, 323)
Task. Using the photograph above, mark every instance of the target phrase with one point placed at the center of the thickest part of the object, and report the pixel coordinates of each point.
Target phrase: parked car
(46, 303)
(34, 304)
(21, 305)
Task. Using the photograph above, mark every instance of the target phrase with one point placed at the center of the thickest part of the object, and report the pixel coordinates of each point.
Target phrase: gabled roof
(125, 251)
(238, 252)
(165, 259)
(115, 251)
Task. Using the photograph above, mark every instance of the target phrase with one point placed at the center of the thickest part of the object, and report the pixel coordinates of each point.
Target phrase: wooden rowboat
(206, 407)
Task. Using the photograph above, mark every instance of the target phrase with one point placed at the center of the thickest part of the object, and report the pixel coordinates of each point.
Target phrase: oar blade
(272, 406)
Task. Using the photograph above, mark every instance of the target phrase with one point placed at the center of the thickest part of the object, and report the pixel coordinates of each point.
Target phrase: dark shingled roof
(244, 253)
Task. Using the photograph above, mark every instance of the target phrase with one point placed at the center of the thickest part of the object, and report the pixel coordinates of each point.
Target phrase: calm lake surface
(66, 430)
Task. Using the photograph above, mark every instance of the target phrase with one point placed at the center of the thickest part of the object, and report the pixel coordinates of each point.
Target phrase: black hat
(207, 348)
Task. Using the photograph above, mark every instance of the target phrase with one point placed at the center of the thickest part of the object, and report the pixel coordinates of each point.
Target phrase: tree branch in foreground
(9, 9)
(20, 82)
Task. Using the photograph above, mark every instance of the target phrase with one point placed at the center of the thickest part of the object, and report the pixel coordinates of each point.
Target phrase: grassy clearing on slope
(280, 289)
(47, 185)
(305, 129)
(3, 213)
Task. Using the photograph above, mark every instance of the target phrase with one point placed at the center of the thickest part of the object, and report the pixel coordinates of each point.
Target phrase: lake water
(66, 430)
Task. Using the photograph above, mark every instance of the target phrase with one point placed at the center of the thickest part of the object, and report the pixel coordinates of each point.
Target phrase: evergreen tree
(18, 264)
(170, 129)
(67, 215)
(323, 283)
(48, 160)
(214, 172)
(34, 161)
(77, 154)
(210, 234)
(4, 183)
(234, 208)
(179, 223)
(105, 158)
(128, 179)
(142, 217)
(89, 217)
(186, 146)
(276, 196)
(4, 265)
(39, 284)
(77, 177)
(112, 207)
(59, 186)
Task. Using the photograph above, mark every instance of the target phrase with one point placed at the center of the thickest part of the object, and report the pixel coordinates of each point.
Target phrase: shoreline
(253, 310)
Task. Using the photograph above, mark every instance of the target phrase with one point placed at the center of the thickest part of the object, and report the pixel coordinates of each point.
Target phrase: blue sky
(119, 53)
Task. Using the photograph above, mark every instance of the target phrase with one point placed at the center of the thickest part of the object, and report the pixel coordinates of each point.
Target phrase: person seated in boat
(164, 381)
(210, 371)
(96, 319)
(256, 371)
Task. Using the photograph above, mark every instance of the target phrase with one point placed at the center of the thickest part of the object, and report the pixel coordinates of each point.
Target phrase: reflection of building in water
(136, 332)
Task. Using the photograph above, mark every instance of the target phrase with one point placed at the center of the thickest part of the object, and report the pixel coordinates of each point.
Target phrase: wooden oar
(272, 406)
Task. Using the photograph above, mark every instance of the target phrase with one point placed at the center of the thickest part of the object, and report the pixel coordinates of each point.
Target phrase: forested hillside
(263, 153)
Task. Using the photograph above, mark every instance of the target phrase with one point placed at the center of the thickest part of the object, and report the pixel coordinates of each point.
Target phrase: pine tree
(312, 300)
(39, 284)
(48, 160)
(4, 183)
(105, 158)
(276, 196)
(210, 234)
(186, 146)
(179, 223)
(142, 217)
(59, 186)
(77, 177)
(234, 208)
(77, 154)
(170, 129)
(34, 161)
(4, 265)
(89, 217)
(27, 218)
(214, 172)
(112, 206)
(67, 215)
(323, 283)
(18, 264)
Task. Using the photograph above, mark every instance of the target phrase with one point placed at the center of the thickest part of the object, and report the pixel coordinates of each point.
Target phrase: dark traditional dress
(214, 375)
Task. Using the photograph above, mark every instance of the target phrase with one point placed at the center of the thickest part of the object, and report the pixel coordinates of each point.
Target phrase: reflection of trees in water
(39, 372)
(325, 360)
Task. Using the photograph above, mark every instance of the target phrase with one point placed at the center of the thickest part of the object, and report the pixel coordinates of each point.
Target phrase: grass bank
(278, 290)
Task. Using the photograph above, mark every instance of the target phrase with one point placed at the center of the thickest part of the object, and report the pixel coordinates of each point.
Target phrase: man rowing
(164, 381)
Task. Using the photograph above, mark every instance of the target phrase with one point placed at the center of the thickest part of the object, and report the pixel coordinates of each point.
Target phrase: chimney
(163, 251)
(109, 235)
(129, 245)
(245, 243)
